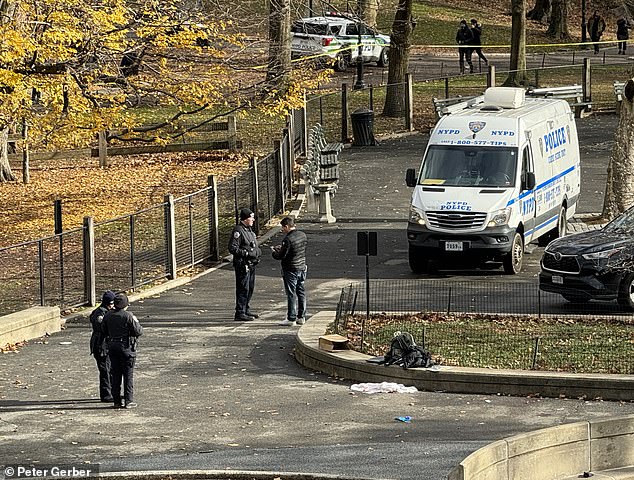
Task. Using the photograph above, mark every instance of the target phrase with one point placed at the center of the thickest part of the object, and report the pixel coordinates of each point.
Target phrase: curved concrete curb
(353, 365)
(603, 447)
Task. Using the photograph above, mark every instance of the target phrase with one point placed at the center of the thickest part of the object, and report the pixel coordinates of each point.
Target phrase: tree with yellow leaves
(72, 68)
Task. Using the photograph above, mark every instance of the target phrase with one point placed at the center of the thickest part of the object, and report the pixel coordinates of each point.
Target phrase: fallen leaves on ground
(127, 184)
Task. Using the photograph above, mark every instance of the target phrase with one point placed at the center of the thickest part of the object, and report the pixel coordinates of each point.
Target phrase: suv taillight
(326, 41)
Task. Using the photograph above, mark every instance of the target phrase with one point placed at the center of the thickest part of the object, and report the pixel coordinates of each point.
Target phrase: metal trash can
(363, 127)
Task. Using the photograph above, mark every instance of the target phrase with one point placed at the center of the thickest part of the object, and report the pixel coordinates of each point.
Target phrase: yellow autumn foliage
(71, 68)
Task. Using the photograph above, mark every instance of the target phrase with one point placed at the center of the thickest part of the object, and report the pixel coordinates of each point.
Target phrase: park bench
(569, 92)
(442, 105)
(321, 170)
(618, 94)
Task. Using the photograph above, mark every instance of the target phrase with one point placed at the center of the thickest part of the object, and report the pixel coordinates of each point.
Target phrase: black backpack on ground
(404, 352)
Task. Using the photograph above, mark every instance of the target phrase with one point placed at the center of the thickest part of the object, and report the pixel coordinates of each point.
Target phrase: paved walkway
(218, 394)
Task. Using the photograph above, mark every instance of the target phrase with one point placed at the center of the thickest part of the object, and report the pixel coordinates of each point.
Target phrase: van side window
(526, 167)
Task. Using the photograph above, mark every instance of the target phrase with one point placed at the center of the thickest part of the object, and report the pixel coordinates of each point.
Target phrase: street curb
(354, 366)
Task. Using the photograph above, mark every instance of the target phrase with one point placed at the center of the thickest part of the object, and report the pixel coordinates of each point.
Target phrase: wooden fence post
(409, 103)
(26, 173)
(586, 81)
(170, 237)
(214, 221)
(102, 145)
(232, 131)
(491, 76)
(89, 261)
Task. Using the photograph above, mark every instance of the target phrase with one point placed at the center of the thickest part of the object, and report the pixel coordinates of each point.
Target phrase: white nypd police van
(499, 171)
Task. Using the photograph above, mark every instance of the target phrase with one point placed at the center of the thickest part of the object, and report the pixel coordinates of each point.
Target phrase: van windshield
(468, 166)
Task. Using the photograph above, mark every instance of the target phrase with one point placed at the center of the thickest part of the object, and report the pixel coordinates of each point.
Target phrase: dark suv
(593, 265)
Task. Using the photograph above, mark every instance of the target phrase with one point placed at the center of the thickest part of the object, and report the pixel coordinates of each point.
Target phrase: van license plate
(453, 246)
(558, 279)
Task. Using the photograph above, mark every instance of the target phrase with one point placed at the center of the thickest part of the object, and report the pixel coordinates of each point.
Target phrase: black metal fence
(489, 324)
(133, 250)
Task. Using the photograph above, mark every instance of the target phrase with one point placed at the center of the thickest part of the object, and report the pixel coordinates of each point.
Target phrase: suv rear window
(315, 28)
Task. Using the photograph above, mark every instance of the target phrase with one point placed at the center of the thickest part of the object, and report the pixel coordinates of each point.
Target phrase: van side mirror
(410, 177)
(529, 181)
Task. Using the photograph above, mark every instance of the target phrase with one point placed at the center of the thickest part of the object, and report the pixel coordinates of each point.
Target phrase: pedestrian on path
(596, 26)
(476, 31)
(98, 346)
(243, 245)
(622, 34)
(292, 253)
(464, 37)
(122, 330)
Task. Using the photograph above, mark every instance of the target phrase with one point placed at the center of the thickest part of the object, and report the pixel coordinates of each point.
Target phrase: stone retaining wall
(31, 323)
(603, 447)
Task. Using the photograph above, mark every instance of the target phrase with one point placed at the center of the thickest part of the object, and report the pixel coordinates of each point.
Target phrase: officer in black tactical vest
(243, 245)
(122, 330)
(98, 346)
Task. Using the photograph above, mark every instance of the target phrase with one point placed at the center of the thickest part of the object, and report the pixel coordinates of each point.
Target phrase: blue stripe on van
(542, 185)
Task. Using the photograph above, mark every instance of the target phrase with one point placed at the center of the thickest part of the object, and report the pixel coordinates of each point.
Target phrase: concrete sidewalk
(218, 394)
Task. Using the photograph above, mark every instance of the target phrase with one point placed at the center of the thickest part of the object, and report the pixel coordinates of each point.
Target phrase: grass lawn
(496, 341)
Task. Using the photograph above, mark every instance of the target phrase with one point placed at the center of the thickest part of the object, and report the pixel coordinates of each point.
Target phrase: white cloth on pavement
(383, 387)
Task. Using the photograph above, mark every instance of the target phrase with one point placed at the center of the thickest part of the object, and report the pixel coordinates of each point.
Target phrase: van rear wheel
(418, 262)
(513, 260)
(560, 231)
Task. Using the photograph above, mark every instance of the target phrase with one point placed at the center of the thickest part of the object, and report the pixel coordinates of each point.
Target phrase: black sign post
(366, 245)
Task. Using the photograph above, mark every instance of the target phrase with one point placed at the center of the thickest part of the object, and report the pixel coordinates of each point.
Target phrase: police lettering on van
(498, 172)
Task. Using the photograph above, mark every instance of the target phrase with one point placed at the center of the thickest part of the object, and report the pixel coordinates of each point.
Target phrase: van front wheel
(418, 262)
(513, 260)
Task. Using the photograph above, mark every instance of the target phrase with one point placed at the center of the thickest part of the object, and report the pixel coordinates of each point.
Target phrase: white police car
(334, 38)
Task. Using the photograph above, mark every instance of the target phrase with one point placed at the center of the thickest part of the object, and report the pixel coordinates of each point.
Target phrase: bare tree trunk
(368, 10)
(517, 66)
(558, 28)
(400, 43)
(6, 175)
(279, 65)
(540, 12)
(619, 192)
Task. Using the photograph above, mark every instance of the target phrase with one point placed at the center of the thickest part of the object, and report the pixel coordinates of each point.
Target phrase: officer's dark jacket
(243, 245)
(98, 344)
(292, 252)
(121, 325)
(464, 35)
(477, 34)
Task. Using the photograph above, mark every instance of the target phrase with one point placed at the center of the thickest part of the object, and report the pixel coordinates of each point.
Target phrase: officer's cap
(245, 213)
(121, 301)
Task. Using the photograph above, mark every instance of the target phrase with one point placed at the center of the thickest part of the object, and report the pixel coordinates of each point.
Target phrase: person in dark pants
(596, 26)
(464, 37)
(476, 31)
(292, 253)
(622, 33)
(122, 330)
(243, 245)
(98, 346)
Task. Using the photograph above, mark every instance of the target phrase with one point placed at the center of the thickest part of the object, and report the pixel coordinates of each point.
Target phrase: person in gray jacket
(292, 253)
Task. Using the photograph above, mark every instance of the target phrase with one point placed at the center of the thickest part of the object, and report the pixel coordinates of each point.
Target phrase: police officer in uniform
(98, 346)
(122, 330)
(243, 244)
